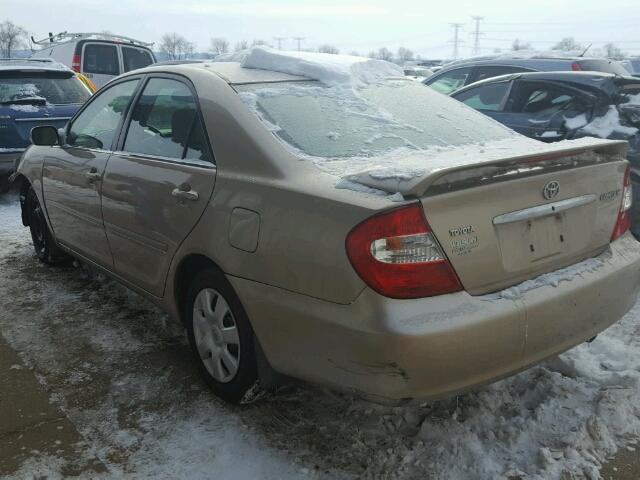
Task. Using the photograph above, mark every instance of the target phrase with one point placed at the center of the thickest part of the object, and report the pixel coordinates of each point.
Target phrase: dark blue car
(33, 92)
(552, 106)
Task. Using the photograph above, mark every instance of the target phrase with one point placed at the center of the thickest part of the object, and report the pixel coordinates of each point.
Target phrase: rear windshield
(134, 58)
(603, 65)
(50, 87)
(324, 121)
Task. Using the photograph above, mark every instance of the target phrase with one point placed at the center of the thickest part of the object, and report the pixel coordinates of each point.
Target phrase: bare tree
(328, 49)
(612, 51)
(12, 37)
(519, 45)
(219, 46)
(241, 45)
(176, 47)
(404, 55)
(384, 54)
(372, 54)
(567, 44)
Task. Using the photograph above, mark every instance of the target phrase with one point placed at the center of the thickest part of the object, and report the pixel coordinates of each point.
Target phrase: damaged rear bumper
(439, 346)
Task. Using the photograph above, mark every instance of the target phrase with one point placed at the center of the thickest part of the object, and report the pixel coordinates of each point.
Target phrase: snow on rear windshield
(338, 121)
(55, 89)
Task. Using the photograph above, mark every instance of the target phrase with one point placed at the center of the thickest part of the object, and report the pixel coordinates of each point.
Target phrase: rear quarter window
(134, 58)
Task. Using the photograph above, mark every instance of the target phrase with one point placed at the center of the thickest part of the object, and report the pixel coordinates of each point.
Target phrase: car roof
(587, 78)
(231, 72)
(24, 64)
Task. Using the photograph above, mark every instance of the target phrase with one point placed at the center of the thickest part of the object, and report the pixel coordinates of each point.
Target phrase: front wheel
(221, 337)
(43, 243)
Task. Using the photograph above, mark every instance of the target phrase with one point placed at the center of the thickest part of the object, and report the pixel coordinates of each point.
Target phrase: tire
(45, 246)
(221, 337)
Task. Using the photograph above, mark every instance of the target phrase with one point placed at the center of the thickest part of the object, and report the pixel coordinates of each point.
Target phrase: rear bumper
(9, 162)
(435, 347)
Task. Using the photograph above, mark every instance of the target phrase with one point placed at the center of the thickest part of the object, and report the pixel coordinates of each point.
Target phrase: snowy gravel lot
(121, 372)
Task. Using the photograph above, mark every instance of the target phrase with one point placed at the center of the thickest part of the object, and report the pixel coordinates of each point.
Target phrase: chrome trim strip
(544, 210)
(40, 119)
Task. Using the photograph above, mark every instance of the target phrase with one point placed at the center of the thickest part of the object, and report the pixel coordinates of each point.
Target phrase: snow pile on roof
(324, 67)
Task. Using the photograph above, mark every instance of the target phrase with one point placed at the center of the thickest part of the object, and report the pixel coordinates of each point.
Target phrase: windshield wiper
(26, 100)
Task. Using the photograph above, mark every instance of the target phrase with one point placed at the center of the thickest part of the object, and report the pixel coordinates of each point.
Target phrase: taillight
(397, 255)
(624, 215)
(75, 63)
(576, 67)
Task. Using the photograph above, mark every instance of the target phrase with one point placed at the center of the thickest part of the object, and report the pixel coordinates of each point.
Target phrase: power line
(279, 40)
(456, 38)
(476, 35)
(298, 39)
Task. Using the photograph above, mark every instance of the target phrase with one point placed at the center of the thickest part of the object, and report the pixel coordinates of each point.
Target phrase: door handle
(184, 192)
(93, 175)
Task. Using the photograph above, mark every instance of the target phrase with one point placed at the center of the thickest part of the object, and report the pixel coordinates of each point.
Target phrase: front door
(157, 187)
(72, 174)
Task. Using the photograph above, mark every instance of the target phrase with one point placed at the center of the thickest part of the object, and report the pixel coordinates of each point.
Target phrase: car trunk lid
(503, 221)
(17, 120)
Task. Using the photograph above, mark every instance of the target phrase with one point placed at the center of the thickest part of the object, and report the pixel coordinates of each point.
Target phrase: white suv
(97, 56)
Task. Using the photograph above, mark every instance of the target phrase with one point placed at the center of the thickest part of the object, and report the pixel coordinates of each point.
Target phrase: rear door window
(450, 81)
(165, 123)
(490, 71)
(485, 97)
(543, 102)
(98, 124)
(134, 58)
(100, 59)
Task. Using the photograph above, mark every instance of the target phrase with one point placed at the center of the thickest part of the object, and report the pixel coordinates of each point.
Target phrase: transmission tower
(279, 40)
(476, 35)
(298, 40)
(456, 38)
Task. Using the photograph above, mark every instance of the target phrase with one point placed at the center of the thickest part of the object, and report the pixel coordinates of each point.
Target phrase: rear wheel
(43, 243)
(221, 337)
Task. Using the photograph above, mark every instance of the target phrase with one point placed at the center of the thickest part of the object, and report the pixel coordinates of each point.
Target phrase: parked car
(212, 190)
(552, 106)
(417, 72)
(460, 73)
(99, 56)
(32, 93)
(632, 65)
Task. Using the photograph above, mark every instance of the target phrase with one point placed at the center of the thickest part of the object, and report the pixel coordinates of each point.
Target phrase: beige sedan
(383, 239)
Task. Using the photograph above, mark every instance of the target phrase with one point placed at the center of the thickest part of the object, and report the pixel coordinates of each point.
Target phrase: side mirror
(45, 135)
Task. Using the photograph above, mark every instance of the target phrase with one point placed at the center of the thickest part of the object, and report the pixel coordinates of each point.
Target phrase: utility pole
(476, 35)
(279, 40)
(298, 39)
(456, 38)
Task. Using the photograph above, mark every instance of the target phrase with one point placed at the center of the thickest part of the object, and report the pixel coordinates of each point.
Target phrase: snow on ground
(121, 372)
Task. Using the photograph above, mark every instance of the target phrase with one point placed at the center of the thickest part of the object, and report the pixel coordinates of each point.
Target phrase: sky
(350, 25)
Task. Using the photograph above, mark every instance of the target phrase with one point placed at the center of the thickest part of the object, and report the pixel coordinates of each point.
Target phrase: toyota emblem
(551, 189)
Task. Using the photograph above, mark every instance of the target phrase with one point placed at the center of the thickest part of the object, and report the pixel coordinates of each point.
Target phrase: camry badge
(551, 189)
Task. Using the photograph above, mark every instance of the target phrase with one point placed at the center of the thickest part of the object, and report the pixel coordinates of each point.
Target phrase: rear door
(72, 173)
(100, 61)
(158, 184)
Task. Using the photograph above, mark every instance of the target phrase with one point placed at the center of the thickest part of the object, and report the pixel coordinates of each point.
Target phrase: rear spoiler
(445, 179)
